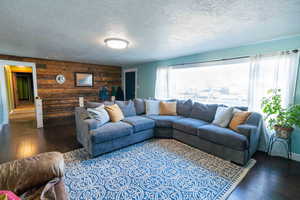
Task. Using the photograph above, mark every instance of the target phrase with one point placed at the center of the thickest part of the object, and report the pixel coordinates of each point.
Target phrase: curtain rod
(224, 59)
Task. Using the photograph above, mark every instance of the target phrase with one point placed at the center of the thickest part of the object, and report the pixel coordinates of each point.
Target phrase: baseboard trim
(296, 157)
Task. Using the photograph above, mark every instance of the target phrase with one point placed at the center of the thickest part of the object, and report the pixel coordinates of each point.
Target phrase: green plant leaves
(276, 114)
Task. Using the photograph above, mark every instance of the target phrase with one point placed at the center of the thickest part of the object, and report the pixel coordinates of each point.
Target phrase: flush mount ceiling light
(116, 43)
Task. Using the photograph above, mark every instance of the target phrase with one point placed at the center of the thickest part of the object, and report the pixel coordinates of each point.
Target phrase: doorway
(20, 95)
(130, 84)
(18, 91)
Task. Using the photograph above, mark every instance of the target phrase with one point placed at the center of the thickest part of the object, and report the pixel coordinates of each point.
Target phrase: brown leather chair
(37, 177)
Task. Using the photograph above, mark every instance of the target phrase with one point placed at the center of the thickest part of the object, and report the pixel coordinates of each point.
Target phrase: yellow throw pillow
(167, 108)
(114, 112)
(238, 119)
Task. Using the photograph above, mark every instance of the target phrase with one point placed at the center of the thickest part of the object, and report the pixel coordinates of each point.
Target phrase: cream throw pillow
(99, 113)
(223, 116)
(152, 107)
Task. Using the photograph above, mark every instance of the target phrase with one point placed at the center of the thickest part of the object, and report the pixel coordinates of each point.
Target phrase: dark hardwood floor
(21, 139)
(272, 178)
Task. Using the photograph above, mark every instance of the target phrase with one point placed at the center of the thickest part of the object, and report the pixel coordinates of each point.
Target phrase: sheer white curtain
(278, 71)
(163, 85)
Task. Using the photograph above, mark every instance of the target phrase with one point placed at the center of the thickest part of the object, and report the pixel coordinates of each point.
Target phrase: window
(221, 84)
(237, 82)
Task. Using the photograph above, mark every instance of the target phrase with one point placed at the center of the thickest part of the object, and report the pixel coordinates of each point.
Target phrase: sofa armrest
(22, 175)
(247, 130)
(254, 119)
(91, 123)
(252, 130)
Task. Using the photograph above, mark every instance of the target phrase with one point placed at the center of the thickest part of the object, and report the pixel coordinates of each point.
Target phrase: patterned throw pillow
(3, 197)
(152, 107)
(100, 114)
(238, 119)
(115, 113)
(8, 195)
(167, 108)
(223, 116)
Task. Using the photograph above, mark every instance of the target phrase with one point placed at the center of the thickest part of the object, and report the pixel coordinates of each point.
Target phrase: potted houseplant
(282, 120)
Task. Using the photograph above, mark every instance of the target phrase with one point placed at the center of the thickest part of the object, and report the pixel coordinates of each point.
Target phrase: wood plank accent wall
(59, 101)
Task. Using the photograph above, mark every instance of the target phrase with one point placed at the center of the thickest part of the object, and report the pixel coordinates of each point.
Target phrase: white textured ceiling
(156, 29)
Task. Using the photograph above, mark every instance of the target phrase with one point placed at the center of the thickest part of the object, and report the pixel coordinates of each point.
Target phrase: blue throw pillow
(139, 106)
(127, 108)
(205, 112)
(184, 108)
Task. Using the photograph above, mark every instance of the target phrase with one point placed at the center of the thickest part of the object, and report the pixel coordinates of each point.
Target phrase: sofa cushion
(127, 108)
(205, 112)
(164, 121)
(189, 125)
(139, 105)
(92, 104)
(223, 136)
(184, 108)
(241, 108)
(140, 123)
(110, 131)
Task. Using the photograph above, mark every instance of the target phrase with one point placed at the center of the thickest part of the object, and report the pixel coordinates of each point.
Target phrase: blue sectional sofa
(189, 126)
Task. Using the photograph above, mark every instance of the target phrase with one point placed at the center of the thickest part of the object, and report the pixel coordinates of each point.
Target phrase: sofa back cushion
(114, 112)
(152, 107)
(184, 107)
(205, 112)
(167, 108)
(127, 108)
(100, 114)
(238, 119)
(93, 104)
(139, 105)
(223, 116)
(241, 108)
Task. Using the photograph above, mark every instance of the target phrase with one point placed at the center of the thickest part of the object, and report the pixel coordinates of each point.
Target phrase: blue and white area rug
(154, 169)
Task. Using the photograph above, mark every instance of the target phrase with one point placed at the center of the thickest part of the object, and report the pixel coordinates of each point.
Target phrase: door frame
(124, 81)
(3, 87)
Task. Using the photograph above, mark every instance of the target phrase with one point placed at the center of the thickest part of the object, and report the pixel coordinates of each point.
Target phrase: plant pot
(283, 132)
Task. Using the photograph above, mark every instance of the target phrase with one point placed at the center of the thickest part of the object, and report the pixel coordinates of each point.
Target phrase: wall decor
(84, 79)
(60, 100)
(60, 79)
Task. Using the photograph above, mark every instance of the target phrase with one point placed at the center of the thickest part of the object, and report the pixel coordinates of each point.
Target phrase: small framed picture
(84, 79)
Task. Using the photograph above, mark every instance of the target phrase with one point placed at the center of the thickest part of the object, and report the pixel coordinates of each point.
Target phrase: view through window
(222, 83)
